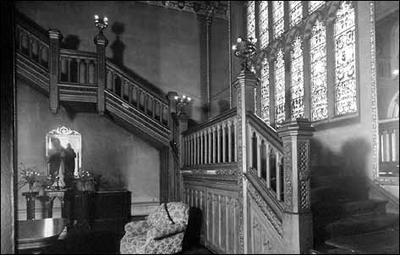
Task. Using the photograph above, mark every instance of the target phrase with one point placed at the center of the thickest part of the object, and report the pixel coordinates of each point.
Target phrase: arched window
(279, 81)
(345, 66)
(297, 81)
(318, 82)
(319, 63)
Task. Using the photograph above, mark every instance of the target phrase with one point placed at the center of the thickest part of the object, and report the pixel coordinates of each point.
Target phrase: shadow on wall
(71, 42)
(349, 161)
(118, 47)
(223, 106)
(192, 234)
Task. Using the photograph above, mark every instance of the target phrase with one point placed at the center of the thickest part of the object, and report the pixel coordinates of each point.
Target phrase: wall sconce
(245, 50)
(181, 102)
(181, 4)
(100, 23)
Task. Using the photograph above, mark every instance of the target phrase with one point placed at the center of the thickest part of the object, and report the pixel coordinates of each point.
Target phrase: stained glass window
(277, 15)
(345, 69)
(297, 82)
(265, 92)
(295, 13)
(314, 5)
(251, 19)
(279, 81)
(263, 18)
(319, 96)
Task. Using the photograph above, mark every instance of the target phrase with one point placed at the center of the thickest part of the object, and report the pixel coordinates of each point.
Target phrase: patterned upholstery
(157, 234)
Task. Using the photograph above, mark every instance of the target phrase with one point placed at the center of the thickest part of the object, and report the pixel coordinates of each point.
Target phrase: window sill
(336, 122)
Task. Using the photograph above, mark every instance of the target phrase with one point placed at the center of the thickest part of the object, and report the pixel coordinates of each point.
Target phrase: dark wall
(158, 44)
(107, 149)
(7, 130)
(220, 51)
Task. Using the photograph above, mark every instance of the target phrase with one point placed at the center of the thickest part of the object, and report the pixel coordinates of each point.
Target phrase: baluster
(250, 146)
(214, 133)
(268, 172)
(259, 155)
(153, 114)
(209, 146)
(278, 177)
(30, 40)
(82, 71)
(198, 149)
(229, 141)
(387, 146)
(192, 149)
(68, 70)
(223, 142)
(34, 49)
(218, 143)
(201, 148)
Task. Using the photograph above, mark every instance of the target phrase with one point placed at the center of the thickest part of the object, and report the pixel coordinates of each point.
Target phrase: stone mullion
(287, 64)
(259, 155)
(330, 68)
(229, 141)
(271, 66)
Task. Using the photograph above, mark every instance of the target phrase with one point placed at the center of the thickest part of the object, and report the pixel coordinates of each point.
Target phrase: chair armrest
(136, 227)
(163, 231)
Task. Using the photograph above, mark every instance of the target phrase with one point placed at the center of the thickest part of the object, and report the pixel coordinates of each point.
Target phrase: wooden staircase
(345, 221)
(128, 100)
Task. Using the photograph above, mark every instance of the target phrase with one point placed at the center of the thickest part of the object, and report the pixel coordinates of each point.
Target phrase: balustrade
(35, 48)
(213, 142)
(78, 67)
(389, 147)
(127, 90)
(265, 157)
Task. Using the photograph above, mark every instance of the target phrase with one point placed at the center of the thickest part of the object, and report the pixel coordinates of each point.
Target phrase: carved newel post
(245, 85)
(101, 43)
(297, 222)
(54, 65)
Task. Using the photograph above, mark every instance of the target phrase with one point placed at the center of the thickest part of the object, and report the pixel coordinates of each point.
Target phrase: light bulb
(96, 16)
(176, 97)
(234, 47)
(189, 99)
(239, 40)
(183, 96)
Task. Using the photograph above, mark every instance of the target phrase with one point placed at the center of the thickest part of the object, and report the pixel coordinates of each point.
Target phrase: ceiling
(219, 9)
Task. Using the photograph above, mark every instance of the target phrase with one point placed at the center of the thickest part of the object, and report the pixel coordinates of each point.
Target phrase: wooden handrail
(265, 130)
(225, 115)
(124, 74)
(30, 26)
(78, 54)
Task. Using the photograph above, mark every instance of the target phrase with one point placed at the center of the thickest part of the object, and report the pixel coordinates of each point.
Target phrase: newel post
(101, 43)
(297, 221)
(245, 85)
(54, 66)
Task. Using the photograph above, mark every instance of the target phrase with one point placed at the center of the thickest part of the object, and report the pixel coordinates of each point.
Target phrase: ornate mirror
(63, 150)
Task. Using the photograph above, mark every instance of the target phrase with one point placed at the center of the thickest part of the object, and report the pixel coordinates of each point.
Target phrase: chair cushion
(163, 231)
(137, 227)
(133, 244)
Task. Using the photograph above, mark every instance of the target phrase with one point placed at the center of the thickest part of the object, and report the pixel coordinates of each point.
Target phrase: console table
(34, 235)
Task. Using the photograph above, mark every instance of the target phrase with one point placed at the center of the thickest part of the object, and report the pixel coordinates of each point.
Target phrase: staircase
(126, 98)
(344, 219)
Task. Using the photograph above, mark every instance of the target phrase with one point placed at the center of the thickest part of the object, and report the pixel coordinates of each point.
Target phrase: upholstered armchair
(160, 233)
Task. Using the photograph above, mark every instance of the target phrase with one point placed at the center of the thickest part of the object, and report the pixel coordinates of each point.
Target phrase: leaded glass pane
(297, 82)
(295, 13)
(251, 19)
(265, 92)
(345, 76)
(279, 81)
(263, 17)
(314, 5)
(319, 96)
(277, 15)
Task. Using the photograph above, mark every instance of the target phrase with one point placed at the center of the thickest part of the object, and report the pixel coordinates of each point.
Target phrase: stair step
(361, 224)
(339, 193)
(349, 208)
(378, 242)
(331, 180)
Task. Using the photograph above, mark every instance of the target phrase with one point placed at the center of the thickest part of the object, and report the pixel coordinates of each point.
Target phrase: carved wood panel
(219, 209)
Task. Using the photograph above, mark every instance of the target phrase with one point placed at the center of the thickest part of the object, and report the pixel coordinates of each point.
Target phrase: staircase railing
(389, 148)
(72, 75)
(212, 143)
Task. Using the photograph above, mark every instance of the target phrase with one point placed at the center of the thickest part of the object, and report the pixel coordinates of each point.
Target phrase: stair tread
(381, 242)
